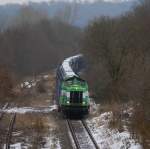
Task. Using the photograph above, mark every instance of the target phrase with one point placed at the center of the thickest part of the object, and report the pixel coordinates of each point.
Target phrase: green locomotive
(72, 91)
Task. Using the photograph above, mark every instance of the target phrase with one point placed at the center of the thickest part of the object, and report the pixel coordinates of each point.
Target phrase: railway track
(3, 108)
(10, 127)
(81, 135)
(10, 130)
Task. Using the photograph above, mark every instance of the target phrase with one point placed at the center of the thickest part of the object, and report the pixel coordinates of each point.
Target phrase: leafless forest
(118, 52)
(34, 43)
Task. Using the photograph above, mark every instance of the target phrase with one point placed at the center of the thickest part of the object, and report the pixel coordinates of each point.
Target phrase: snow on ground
(45, 77)
(93, 106)
(51, 142)
(16, 146)
(27, 85)
(23, 110)
(110, 138)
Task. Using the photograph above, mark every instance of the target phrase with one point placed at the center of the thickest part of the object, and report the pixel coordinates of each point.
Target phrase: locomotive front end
(74, 96)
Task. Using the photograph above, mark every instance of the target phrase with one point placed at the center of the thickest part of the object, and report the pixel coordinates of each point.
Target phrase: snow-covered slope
(110, 138)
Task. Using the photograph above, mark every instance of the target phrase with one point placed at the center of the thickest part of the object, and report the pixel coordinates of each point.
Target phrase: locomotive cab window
(76, 97)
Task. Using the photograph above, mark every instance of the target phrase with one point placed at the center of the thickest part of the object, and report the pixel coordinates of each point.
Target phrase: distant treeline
(34, 43)
(74, 12)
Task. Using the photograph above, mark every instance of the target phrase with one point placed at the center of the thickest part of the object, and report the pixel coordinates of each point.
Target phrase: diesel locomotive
(71, 90)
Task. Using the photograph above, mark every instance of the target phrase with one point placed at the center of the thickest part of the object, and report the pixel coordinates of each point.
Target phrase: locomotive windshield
(76, 97)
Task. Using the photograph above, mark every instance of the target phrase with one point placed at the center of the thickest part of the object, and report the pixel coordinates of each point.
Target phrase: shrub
(6, 83)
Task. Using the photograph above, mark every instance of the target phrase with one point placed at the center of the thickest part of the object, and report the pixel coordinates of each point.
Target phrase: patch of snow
(51, 142)
(45, 77)
(33, 83)
(26, 83)
(110, 138)
(22, 85)
(29, 84)
(93, 107)
(17, 133)
(23, 110)
(16, 146)
(128, 111)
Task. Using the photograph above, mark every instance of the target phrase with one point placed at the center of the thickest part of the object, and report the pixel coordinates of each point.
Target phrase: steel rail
(2, 113)
(10, 130)
(73, 134)
(90, 134)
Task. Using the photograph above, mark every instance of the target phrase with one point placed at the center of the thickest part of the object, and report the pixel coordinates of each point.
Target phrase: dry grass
(36, 96)
(29, 121)
(136, 122)
(116, 121)
(39, 129)
(6, 84)
(41, 87)
(34, 127)
(140, 126)
(4, 125)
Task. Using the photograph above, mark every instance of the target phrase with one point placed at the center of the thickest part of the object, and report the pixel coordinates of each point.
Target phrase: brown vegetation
(6, 83)
(140, 126)
(119, 61)
(36, 43)
(32, 44)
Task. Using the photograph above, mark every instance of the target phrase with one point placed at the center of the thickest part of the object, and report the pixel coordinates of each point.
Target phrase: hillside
(75, 13)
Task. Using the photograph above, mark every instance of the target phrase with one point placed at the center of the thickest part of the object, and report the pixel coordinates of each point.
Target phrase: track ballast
(81, 135)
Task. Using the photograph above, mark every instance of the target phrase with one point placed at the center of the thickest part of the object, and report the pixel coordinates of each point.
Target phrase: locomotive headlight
(84, 102)
(68, 102)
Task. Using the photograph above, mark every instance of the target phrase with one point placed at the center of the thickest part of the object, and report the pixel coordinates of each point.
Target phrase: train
(72, 93)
